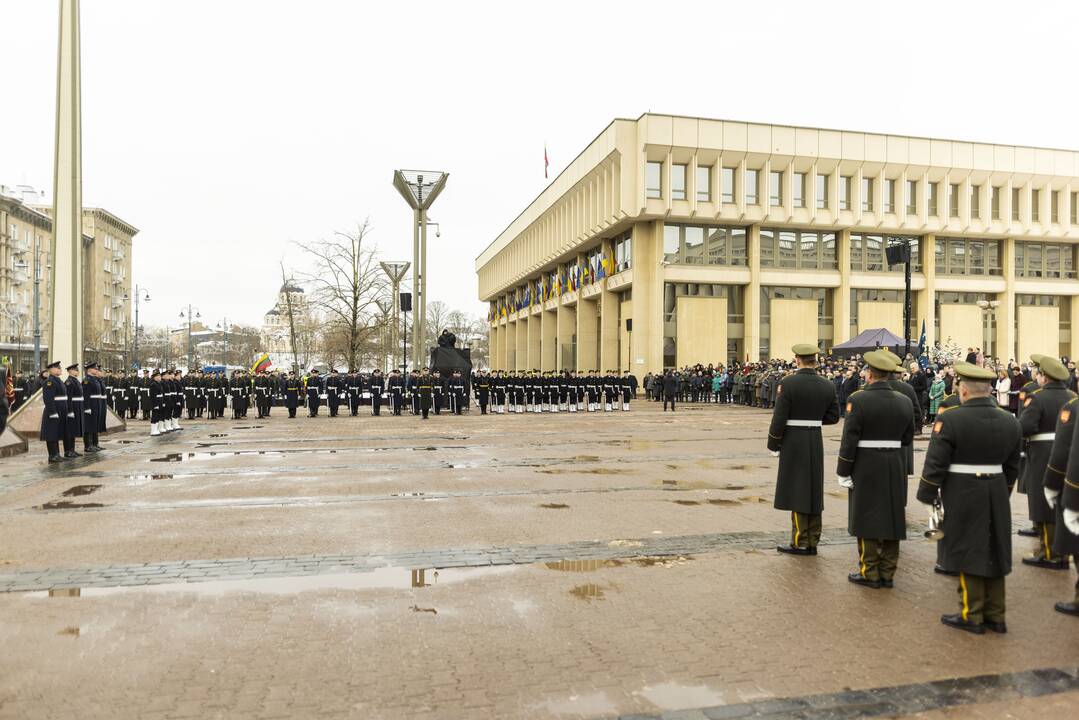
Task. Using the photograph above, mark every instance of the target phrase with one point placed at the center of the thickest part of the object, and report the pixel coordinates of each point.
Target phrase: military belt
(1042, 437)
(976, 469)
(60, 399)
(98, 397)
(880, 444)
(804, 423)
(77, 398)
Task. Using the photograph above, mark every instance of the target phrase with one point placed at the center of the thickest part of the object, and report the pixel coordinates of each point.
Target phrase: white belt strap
(76, 399)
(1042, 437)
(976, 469)
(59, 399)
(879, 444)
(98, 397)
(804, 423)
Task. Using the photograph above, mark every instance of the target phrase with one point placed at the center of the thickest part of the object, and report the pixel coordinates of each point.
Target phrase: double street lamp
(395, 270)
(192, 315)
(143, 295)
(419, 188)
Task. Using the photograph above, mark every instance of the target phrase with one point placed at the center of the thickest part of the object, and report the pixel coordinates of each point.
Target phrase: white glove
(775, 453)
(844, 482)
(1071, 521)
(54, 415)
(1051, 497)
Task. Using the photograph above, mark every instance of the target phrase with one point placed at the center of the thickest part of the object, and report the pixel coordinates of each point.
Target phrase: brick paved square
(535, 566)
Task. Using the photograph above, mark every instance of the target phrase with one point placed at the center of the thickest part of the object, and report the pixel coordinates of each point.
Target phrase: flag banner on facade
(261, 364)
(546, 162)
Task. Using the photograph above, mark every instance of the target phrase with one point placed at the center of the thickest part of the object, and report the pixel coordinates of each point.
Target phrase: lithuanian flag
(261, 364)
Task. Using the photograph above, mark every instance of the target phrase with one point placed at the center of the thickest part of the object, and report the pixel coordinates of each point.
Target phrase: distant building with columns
(673, 240)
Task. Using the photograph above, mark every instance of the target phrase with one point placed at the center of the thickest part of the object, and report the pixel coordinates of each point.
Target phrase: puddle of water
(128, 442)
(670, 482)
(588, 592)
(247, 427)
(662, 560)
(754, 499)
(213, 454)
(554, 506)
(393, 578)
(673, 696)
(219, 434)
(418, 609)
(148, 476)
(66, 505)
(582, 565)
(71, 631)
(723, 502)
(733, 487)
(686, 502)
(592, 704)
(79, 490)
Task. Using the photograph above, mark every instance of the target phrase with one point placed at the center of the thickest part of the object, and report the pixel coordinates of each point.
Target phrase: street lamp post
(192, 314)
(224, 325)
(419, 188)
(139, 295)
(395, 270)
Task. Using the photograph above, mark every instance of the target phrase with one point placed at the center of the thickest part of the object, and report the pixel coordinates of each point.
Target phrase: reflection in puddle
(66, 505)
(672, 696)
(686, 502)
(219, 434)
(247, 427)
(147, 476)
(588, 592)
(79, 490)
(554, 506)
(662, 560)
(581, 565)
(128, 442)
(377, 579)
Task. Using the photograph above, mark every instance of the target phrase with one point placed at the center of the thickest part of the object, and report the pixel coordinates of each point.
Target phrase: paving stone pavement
(537, 566)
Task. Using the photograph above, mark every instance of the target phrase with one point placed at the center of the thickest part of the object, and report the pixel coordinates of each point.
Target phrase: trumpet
(935, 531)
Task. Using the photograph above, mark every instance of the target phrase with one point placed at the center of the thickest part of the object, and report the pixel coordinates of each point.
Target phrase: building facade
(25, 233)
(26, 230)
(672, 240)
(276, 329)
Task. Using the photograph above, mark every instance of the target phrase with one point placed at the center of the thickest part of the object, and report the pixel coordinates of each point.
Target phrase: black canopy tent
(868, 340)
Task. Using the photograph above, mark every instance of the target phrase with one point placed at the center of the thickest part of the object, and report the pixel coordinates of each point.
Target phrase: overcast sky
(226, 129)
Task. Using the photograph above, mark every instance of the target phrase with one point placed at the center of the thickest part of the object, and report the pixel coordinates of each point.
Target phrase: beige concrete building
(24, 232)
(673, 240)
(107, 308)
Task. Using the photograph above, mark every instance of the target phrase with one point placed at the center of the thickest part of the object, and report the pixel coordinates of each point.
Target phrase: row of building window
(799, 188)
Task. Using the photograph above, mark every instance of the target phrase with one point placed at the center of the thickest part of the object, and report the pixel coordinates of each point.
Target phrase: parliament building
(671, 241)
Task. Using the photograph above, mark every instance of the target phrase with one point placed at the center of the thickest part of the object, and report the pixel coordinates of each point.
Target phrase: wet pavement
(535, 566)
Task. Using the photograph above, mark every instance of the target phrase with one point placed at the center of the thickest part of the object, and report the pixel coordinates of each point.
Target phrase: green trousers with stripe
(981, 598)
(805, 530)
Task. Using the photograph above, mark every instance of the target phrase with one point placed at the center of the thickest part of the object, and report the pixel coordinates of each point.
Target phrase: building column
(841, 297)
(752, 300)
(646, 340)
(548, 322)
(521, 344)
(927, 299)
(534, 338)
(1004, 342)
(609, 321)
(494, 348)
(565, 329)
(587, 335)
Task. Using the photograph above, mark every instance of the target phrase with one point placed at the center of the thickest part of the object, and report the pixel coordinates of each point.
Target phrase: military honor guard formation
(977, 454)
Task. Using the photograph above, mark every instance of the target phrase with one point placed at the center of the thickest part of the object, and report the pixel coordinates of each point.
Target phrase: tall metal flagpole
(65, 336)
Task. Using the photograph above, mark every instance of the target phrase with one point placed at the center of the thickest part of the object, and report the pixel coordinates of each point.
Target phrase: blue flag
(921, 340)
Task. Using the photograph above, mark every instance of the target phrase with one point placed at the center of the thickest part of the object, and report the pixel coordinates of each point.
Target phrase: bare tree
(346, 280)
(438, 314)
(291, 313)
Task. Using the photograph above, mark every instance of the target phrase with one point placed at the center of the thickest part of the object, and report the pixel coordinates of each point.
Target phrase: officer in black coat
(376, 385)
(54, 414)
(156, 404)
(670, 389)
(94, 408)
(972, 465)
(879, 423)
(75, 409)
(396, 385)
(482, 385)
(313, 388)
(456, 388)
(804, 402)
(1040, 410)
(290, 388)
(424, 389)
(334, 390)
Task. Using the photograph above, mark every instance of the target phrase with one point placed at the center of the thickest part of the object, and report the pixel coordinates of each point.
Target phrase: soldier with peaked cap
(94, 408)
(54, 414)
(897, 383)
(1056, 483)
(376, 385)
(1038, 419)
(879, 422)
(972, 464)
(156, 403)
(805, 402)
(313, 389)
(75, 410)
(1029, 387)
(291, 386)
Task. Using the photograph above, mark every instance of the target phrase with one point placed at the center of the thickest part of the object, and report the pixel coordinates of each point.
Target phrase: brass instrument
(935, 531)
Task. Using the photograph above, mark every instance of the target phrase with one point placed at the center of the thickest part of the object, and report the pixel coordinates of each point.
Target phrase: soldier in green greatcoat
(878, 423)
(804, 402)
(972, 465)
(1057, 489)
(1039, 412)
